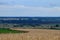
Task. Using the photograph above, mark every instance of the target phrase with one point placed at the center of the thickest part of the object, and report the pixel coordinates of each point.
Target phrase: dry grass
(33, 34)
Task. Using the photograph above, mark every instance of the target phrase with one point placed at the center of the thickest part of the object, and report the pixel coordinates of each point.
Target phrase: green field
(7, 30)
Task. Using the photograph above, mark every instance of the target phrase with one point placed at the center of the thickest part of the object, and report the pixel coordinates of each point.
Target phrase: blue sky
(30, 8)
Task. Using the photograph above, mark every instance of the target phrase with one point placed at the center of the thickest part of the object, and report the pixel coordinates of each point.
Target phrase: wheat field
(33, 34)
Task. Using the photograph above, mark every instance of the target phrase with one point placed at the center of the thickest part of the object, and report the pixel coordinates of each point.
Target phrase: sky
(31, 8)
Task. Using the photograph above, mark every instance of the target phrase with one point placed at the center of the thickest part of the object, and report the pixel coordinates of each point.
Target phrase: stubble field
(33, 34)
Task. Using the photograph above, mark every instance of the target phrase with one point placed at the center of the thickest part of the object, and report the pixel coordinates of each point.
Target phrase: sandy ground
(33, 34)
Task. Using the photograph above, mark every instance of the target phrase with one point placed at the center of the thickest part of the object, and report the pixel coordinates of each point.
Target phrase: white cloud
(28, 11)
(11, 6)
(52, 9)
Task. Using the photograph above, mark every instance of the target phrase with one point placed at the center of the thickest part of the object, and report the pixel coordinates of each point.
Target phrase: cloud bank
(21, 10)
(30, 8)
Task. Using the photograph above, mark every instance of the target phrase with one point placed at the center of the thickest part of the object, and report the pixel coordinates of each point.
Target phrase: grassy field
(7, 30)
(33, 34)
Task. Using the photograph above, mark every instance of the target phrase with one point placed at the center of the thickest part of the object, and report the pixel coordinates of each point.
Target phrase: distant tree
(21, 25)
(15, 25)
(32, 25)
(57, 25)
(37, 24)
(51, 27)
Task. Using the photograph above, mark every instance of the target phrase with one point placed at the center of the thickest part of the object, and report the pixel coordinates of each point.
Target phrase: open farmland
(33, 34)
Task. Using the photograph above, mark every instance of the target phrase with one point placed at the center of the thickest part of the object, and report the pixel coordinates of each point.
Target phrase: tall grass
(33, 34)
